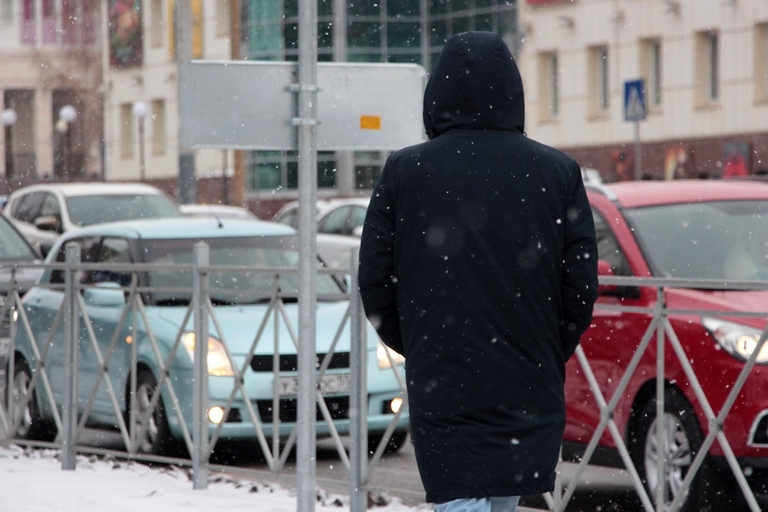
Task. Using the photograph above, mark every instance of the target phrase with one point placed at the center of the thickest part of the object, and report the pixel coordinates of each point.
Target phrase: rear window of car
(86, 210)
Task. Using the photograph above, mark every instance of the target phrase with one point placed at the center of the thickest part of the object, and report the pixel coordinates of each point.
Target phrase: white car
(335, 216)
(43, 212)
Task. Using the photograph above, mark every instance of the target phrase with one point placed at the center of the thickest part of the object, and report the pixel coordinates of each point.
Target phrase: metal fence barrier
(664, 331)
(73, 316)
(201, 312)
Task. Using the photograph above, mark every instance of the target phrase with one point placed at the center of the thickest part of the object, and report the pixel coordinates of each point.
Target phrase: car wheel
(396, 442)
(156, 439)
(31, 424)
(684, 439)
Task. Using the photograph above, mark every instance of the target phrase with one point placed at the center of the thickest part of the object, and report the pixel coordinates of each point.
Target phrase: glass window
(599, 93)
(50, 206)
(608, 247)
(363, 8)
(710, 240)
(549, 85)
(230, 287)
(403, 7)
(336, 222)
(158, 127)
(156, 23)
(364, 34)
(707, 68)
(403, 35)
(356, 218)
(126, 131)
(13, 246)
(88, 248)
(29, 207)
(460, 25)
(116, 251)
(438, 33)
(87, 210)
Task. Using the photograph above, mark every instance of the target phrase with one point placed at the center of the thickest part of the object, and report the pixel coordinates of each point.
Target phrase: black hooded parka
(478, 262)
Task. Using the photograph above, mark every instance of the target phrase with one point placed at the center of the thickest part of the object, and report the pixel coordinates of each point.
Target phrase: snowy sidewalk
(32, 481)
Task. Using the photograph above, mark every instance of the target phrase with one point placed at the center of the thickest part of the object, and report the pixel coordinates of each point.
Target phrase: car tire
(685, 438)
(157, 438)
(396, 442)
(32, 426)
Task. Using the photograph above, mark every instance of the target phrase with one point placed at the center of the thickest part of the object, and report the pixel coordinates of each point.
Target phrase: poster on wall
(675, 159)
(735, 159)
(125, 33)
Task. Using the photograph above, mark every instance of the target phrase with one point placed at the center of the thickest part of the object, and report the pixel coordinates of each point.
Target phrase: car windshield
(12, 245)
(97, 209)
(711, 240)
(232, 287)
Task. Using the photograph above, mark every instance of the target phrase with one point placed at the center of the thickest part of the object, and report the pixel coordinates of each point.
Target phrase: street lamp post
(67, 116)
(140, 111)
(9, 118)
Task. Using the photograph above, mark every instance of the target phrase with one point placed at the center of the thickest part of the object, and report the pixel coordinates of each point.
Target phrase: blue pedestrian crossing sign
(634, 100)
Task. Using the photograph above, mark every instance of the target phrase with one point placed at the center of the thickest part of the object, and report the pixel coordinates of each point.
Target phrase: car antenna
(215, 216)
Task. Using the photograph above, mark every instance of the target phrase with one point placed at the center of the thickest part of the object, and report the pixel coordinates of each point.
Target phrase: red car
(681, 229)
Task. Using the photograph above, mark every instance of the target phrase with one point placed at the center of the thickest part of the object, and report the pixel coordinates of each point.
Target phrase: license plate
(332, 383)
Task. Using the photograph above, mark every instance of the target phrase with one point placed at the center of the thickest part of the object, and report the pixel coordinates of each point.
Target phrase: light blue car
(242, 305)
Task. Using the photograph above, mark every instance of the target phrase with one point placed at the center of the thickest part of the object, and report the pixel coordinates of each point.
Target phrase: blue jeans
(496, 504)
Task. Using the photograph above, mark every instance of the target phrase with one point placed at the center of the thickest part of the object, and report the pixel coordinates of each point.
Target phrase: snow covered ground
(31, 480)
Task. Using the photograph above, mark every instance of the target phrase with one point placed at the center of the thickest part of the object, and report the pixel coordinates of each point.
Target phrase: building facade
(705, 68)
(50, 57)
(117, 63)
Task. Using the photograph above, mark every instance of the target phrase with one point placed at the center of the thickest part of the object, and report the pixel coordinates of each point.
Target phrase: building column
(43, 119)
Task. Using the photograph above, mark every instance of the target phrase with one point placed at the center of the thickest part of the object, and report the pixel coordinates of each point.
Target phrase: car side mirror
(605, 269)
(104, 295)
(48, 223)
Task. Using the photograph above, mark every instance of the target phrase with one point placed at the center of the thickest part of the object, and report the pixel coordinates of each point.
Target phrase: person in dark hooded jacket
(478, 263)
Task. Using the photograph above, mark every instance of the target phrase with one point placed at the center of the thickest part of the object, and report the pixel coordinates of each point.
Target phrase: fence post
(661, 424)
(358, 403)
(71, 335)
(200, 379)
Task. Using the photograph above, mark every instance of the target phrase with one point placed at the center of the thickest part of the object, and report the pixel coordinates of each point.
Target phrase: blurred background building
(50, 57)
(705, 66)
(116, 62)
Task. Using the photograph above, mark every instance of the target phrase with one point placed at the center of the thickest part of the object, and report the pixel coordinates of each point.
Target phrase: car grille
(338, 407)
(289, 362)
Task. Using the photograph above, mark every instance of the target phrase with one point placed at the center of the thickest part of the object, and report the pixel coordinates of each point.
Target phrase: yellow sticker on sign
(370, 122)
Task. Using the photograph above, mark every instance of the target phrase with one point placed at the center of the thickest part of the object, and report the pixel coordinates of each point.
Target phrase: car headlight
(218, 362)
(737, 339)
(384, 361)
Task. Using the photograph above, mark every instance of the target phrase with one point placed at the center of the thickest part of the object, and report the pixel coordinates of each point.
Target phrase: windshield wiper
(173, 301)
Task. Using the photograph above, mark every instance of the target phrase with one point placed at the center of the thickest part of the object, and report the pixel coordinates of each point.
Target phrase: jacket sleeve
(579, 279)
(378, 285)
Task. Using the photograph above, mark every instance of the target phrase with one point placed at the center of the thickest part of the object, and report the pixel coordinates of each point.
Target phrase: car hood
(240, 324)
(755, 301)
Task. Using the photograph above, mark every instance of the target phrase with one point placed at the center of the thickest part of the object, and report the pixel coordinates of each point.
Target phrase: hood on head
(475, 85)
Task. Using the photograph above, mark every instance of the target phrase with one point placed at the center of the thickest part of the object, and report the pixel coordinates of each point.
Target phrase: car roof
(637, 194)
(326, 205)
(88, 189)
(184, 227)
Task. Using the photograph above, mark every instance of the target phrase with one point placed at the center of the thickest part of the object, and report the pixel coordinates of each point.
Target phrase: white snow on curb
(31, 480)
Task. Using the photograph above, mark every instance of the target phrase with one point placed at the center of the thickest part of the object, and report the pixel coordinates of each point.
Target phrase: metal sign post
(634, 112)
(307, 360)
